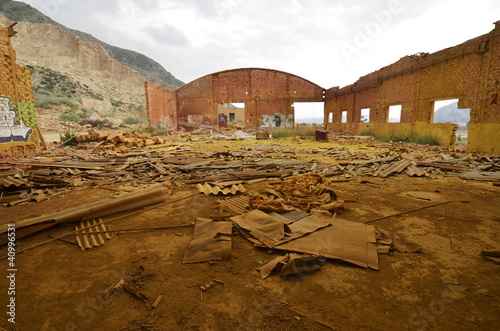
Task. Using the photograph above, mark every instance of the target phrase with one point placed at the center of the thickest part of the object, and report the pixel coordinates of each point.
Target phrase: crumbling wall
(18, 125)
(161, 107)
(268, 96)
(468, 72)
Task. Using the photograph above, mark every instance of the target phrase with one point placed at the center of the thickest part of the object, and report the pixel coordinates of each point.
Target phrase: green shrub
(134, 120)
(67, 138)
(419, 140)
(367, 132)
(69, 117)
(136, 108)
(154, 131)
(116, 103)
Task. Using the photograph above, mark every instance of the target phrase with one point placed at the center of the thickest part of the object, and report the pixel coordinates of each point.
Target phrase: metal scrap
(301, 193)
(92, 233)
(238, 205)
(208, 189)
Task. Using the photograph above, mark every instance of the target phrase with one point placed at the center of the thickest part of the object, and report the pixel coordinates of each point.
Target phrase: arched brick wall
(267, 95)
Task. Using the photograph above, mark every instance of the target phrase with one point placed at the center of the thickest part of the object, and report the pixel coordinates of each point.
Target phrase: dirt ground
(445, 286)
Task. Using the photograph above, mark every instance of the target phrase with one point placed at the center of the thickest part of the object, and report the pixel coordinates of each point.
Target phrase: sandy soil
(446, 286)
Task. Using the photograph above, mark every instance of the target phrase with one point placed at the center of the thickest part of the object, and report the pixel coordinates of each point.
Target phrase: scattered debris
(126, 202)
(237, 205)
(113, 288)
(343, 240)
(91, 234)
(272, 229)
(211, 242)
(157, 301)
(136, 293)
(493, 255)
(300, 193)
(292, 264)
(398, 242)
(209, 189)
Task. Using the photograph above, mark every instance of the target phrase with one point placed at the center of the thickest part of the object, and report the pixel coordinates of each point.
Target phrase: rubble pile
(51, 124)
(301, 193)
(126, 157)
(120, 140)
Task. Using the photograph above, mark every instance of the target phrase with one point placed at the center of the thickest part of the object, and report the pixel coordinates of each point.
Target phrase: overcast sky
(330, 42)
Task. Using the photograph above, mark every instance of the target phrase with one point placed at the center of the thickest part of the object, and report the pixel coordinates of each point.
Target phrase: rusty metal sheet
(396, 167)
(92, 233)
(443, 166)
(344, 240)
(208, 189)
(412, 170)
(267, 229)
(211, 242)
(9, 181)
(238, 205)
(380, 169)
(273, 229)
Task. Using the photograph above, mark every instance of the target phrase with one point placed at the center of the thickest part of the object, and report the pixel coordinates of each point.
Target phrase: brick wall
(268, 96)
(18, 125)
(161, 106)
(468, 72)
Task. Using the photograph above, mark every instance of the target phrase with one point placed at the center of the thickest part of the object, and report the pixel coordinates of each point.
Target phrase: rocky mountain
(146, 67)
(451, 114)
(78, 78)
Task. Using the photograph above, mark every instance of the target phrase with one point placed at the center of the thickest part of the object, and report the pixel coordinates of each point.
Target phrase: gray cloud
(167, 35)
(192, 38)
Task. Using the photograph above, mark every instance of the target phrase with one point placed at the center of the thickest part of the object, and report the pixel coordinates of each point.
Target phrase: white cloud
(192, 38)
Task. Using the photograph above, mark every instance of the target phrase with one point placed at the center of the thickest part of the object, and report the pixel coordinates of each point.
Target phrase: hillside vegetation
(146, 67)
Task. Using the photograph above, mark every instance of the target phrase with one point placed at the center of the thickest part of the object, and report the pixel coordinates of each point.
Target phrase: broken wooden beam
(90, 211)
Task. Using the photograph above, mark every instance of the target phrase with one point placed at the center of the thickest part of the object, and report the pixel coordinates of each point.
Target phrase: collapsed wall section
(19, 132)
(469, 72)
(161, 107)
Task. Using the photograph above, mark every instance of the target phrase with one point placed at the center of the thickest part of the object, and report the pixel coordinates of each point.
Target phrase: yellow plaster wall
(484, 137)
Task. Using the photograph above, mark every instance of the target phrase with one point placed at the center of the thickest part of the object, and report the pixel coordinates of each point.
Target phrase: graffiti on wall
(10, 130)
(277, 120)
(165, 121)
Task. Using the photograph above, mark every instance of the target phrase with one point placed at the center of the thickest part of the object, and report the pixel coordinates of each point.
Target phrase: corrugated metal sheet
(237, 205)
(91, 234)
(9, 181)
(412, 170)
(208, 189)
(396, 167)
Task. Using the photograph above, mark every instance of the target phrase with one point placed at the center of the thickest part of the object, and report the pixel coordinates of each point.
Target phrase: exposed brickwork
(268, 96)
(465, 72)
(161, 106)
(18, 125)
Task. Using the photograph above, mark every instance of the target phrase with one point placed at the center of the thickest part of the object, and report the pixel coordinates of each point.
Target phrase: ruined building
(18, 126)
(268, 96)
(469, 72)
